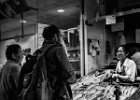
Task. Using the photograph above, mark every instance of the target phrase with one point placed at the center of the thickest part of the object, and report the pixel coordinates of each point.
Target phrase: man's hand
(115, 75)
(112, 71)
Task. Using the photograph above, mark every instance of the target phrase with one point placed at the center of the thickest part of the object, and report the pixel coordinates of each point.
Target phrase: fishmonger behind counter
(126, 70)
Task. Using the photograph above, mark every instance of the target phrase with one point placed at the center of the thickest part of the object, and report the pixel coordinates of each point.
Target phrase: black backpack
(32, 91)
(26, 71)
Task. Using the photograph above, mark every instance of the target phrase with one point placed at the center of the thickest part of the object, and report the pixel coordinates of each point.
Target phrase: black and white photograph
(69, 49)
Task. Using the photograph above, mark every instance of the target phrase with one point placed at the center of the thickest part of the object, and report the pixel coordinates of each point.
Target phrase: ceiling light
(60, 10)
(22, 21)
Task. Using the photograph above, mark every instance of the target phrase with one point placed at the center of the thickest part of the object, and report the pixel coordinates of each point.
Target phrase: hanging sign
(110, 20)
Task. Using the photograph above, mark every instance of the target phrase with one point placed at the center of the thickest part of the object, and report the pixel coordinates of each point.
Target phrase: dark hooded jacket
(59, 70)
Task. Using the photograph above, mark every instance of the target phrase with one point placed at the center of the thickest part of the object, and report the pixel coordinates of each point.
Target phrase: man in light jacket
(10, 73)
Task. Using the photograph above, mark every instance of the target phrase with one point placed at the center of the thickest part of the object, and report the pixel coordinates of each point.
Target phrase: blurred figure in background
(26, 52)
(27, 68)
(10, 73)
(135, 55)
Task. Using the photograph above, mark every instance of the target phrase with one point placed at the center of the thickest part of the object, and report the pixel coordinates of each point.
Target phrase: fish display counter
(96, 86)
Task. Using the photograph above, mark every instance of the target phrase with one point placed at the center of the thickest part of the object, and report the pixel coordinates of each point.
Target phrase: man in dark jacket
(59, 70)
(10, 73)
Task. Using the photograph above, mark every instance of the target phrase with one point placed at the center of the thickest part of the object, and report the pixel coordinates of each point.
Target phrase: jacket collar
(51, 42)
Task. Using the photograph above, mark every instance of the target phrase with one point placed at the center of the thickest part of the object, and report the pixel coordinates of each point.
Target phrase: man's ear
(127, 54)
(13, 56)
(55, 37)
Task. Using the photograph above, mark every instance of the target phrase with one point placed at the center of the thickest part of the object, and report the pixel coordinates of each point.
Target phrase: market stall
(96, 86)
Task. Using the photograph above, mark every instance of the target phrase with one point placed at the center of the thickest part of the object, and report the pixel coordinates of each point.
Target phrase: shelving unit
(71, 38)
(74, 59)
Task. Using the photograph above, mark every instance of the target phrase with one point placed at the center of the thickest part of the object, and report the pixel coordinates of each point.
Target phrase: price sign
(110, 20)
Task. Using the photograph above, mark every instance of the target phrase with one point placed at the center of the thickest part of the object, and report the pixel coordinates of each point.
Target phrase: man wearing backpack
(59, 70)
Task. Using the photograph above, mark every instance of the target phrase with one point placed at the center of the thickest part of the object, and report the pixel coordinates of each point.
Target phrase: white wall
(31, 29)
(96, 31)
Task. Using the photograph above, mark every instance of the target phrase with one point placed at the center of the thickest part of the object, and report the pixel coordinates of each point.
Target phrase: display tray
(127, 84)
(136, 95)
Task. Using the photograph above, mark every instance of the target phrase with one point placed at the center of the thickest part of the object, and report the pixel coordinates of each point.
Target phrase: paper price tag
(110, 20)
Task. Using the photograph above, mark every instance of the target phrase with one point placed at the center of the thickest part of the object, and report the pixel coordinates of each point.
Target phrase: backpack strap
(46, 47)
(1, 73)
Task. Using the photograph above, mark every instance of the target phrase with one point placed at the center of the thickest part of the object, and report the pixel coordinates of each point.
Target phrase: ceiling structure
(46, 14)
(45, 11)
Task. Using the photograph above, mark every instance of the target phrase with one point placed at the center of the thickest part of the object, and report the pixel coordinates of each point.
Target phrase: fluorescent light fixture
(22, 21)
(60, 10)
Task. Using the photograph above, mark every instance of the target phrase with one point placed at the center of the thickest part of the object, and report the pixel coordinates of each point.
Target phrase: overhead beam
(119, 14)
(123, 13)
(17, 32)
(20, 36)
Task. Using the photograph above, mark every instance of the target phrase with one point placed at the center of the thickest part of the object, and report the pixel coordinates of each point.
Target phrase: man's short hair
(50, 31)
(12, 49)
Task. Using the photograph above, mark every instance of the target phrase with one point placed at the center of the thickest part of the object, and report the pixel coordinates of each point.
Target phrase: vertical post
(22, 25)
(37, 17)
(117, 92)
(0, 31)
(82, 42)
